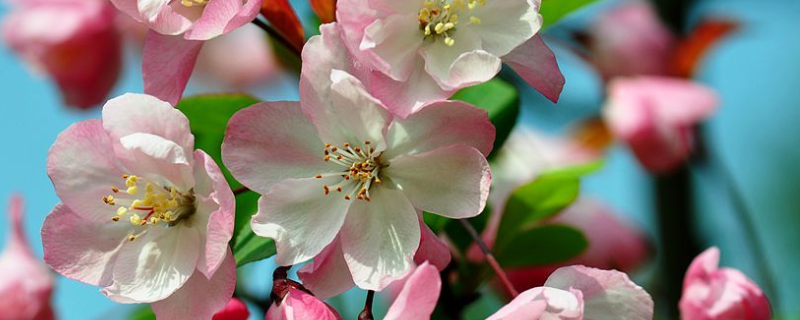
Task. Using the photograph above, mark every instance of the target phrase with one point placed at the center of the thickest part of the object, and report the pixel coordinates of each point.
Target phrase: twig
(278, 36)
(490, 258)
(367, 313)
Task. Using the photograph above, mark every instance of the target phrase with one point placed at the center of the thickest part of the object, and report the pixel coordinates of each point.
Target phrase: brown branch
(278, 36)
(490, 258)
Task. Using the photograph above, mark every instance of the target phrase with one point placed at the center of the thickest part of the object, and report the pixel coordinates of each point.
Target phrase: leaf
(543, 245)
(325, 10)
(500, 99)
(208, 119)
(282, 17)
(555, 10)
(547, 195)
(142, 313)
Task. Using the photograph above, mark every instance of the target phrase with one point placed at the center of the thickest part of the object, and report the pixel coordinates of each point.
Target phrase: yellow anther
(132, 190)
(475, 20)
(121, 211)
(130, 181)
(439, 28)
(449, 41)
(153, 220)
(454, 19)
(449, 25)
(136, 219)
(428, 30)
(148, 187)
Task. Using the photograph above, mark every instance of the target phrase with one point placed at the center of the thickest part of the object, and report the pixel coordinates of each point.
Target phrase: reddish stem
(490, 258)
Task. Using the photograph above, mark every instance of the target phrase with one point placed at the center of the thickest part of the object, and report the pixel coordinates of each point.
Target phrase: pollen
(439, 19)
(358, 168)
(157, 204)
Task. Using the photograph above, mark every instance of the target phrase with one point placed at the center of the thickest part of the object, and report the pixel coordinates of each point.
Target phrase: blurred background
(742, 196)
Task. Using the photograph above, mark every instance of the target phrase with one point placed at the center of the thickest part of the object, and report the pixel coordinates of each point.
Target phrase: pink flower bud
(75, 43)
(300, 305)
(235, 310)
(711, 293)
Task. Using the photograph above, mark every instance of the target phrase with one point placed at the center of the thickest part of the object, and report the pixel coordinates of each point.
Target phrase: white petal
(506, 24)
(396, 41)
(300, 217)
(452, 181)
(379, 238)
(463, 64)
(159, 160)
(607, 294)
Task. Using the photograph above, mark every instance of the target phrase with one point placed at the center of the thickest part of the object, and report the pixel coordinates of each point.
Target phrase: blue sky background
(755, 134)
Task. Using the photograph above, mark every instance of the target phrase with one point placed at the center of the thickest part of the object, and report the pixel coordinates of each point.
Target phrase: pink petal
(379, 238)
(298, 305)
(451, 181)
(608, 295)
(441, 124)
(526, 306)
(327, 276)
(281, 137)
(155, 265)
(200, 297)
(301, 219)
(432, 249)
(395, 42)
(222, 16)
(461, 65)
(212, 187)
(253, 62)
(167, 20)
(537, 65)
(139, 113)
(167, 64)
(156, 159)
(26, 285)
(355, 113)
(403, 98)
(234, 310)
(83, 169)
(82, 249)
(419, 295)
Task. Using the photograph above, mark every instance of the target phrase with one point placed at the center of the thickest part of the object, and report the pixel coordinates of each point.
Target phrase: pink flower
(340, 164)
(74, 42)
(418, 295)
(297, 304)
(456, 42)
(711, 293)
(25, 283)
(178, 31)
(613, 243)
(656, 117)
(578, 292)
(144, 215)
(234, 310)
(630, 40)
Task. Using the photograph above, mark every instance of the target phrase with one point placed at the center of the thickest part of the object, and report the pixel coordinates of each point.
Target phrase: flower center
(440, 18)
(158, 205)
(359, 169)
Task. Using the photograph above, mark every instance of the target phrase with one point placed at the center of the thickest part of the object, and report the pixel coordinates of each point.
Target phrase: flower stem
(278, 36)
(490, 258)
(367, 313)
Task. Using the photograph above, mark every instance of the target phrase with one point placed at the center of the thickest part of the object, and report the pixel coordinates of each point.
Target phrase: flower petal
(298, 305)
(506, 24)
(81, 249)
(395, 41)
(200, 297)
(526, 306)
(351, 115)
(216, 232)
(419, 295)
(327, 276)
(537, 65)
(281, 137)
(607, 295)
(166, 20)
(432, 249)
(403, 98)
(222, 16)
(155, 265)
(396, 7)
(83, 169)
(167, 64)
(452, 181)
(379, 238)
(460, 65)
(159, 160)
(441, 124)
(140, 113)
(301, 219)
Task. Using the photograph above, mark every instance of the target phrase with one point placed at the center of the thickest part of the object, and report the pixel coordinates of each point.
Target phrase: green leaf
(500, 99)
(208, 118)
(547, 195)
(555, 10)
(142, 313)
(543, 245)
